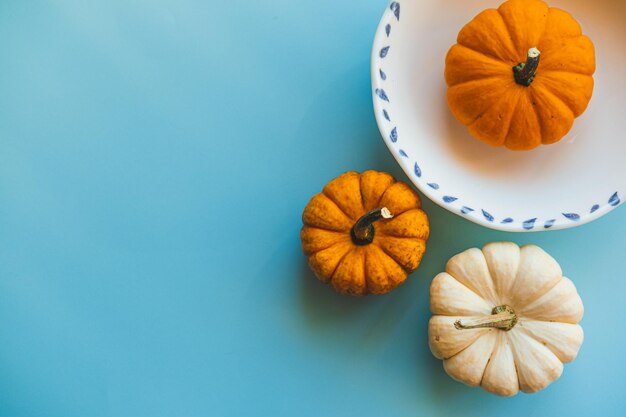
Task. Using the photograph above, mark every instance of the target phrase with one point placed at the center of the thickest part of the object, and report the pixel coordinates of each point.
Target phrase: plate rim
(432, 189)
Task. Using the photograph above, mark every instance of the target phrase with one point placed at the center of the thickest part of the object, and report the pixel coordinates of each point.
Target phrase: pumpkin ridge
(533, 105)
(393, 205)
(566, 304)
(319, 261)
(449, 297)
(446, 347)
(548, 94)
(553, 13)
(509, 49)
(361, 196)
(496, 64)
(511, 30)
(389, 282)
(519, 335)
(532, 333)
(374, 184)
(567, 71)
(503, 388)
(467, 109)
(481, 80)
(345, 192)
(350, 276)
(367, 278)
(557, 92)
(490, 299)
(508, 29)
(474, 341)
(339, 207)
(512, 349)
(470, 364)
(517, 372)
(536, 297)
(340, 240)
(495, 346)
(509, 122)
(387, 269)
(332, 276)
(528, 115)
(313, 214)
(578, 45)
(405, 269)
(504, 96)
(470, 290)
(502, 293)
(384, 232)
(496, 60)
(545, 28)
(537, 274)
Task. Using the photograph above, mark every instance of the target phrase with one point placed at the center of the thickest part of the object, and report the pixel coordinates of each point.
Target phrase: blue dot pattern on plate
(572, 216)
(395, 8)
(417, 170)
(529, 224)
(382, 95)
(488, 215)
(394, 135)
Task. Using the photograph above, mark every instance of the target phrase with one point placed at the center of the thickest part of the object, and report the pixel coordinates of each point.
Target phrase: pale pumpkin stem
(525, 73)
(502, 317)
(362, 232)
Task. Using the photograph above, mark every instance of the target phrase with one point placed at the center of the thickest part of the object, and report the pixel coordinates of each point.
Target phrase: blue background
(155, 157)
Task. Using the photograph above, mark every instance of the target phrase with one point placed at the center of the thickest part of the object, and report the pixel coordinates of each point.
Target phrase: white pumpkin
(504, 318)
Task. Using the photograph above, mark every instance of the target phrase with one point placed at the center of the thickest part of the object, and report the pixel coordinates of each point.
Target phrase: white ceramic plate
(552, 187)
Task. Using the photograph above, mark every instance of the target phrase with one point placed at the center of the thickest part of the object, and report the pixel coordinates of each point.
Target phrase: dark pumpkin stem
(362, 232)
(502, 317)
(525, 73)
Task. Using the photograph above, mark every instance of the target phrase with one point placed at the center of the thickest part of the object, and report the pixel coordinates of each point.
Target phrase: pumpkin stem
(502, 317)
(362, 232)
(525, 73)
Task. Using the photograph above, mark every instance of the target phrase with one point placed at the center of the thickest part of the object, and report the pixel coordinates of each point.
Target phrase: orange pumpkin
(519, 75)
(364, 233)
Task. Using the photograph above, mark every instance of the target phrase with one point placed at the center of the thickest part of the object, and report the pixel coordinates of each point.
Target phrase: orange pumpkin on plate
(519, 75)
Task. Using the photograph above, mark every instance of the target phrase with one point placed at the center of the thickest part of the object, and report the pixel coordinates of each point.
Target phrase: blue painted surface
(155, 157)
